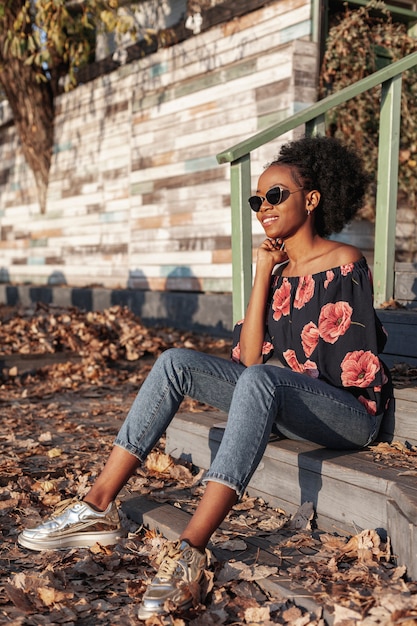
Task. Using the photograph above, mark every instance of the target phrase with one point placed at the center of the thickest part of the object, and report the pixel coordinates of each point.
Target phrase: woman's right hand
(271, 253)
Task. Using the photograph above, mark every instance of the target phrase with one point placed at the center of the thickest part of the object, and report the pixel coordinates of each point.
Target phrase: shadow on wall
(179, 300)
(176, 306)
(134, 296)
(180, 306)
(4, 275)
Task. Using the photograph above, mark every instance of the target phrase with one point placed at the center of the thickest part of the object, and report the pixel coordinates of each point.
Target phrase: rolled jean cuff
(214, 477)
(129, 448)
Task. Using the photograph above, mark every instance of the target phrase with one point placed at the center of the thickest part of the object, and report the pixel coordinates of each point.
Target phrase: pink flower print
(359, 368)
(329, 278)
(267, 347)
(334, 320)
(305, 291)
(347, 269)
(290, 357)
(309, 367)
(281, 300)
(370, 405)
(236, 353)
(309, 338)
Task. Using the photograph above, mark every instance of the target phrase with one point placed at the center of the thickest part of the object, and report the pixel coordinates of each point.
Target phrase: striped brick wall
(136, 197)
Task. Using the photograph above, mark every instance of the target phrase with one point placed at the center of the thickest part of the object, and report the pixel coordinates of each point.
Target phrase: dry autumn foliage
(360, 41)
(58, 425)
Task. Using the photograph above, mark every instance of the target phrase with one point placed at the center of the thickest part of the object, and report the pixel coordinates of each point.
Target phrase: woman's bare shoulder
(328, 255)
(342, 253)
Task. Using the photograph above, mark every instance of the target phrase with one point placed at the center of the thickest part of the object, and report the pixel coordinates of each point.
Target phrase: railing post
(240, 184)
(387, 190)
(316, 126)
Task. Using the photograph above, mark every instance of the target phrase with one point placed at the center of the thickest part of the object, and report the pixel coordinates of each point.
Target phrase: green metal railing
(314, 119)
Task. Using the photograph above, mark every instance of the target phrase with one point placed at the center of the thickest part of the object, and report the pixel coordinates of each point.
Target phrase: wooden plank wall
(136, 197)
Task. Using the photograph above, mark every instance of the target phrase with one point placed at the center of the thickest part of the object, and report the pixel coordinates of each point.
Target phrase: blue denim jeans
(257, 399)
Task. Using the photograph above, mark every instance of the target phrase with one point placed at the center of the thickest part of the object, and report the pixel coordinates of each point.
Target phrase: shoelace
(64, 504)
(170, 549)
(168, 559)
(168, 567)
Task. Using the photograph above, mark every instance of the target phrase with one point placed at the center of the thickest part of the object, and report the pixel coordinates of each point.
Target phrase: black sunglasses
(273, 196)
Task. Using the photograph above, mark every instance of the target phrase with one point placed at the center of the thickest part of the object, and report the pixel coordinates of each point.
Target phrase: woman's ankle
(99, 505)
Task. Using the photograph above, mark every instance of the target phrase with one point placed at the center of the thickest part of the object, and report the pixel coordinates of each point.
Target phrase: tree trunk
(32, 105)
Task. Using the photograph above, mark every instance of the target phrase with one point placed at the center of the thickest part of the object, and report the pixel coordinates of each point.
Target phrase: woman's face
(284, 219)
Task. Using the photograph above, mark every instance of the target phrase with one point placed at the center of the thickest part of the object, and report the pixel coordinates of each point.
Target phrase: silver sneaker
(74, 524)
(180, 566)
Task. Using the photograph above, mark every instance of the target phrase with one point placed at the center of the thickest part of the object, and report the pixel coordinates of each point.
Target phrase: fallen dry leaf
(257, 615)
(50, 596)
(54, 452)
(233, 545)
(365, 547)
(159, 462)
(256, 572)
(292, 614)
(344, 616)
(59, 419)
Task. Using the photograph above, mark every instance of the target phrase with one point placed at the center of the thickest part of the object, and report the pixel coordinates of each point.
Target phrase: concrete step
(349, 490)
(401, 423)
(401, 326)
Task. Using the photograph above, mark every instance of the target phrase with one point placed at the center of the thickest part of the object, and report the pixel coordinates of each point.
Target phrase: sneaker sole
(144, 613)
(85, 540)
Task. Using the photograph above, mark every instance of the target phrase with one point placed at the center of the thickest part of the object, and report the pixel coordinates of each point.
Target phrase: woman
(311, 306)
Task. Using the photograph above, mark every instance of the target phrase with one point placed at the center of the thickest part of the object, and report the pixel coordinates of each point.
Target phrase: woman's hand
(270, 253)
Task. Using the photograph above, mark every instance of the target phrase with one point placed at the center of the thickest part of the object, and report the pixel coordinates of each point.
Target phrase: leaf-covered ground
(58, 424)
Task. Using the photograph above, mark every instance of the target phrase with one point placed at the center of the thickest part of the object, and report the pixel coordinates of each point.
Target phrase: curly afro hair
(337, 172)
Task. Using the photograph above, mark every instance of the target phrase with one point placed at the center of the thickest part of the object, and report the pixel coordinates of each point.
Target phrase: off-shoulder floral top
(324, 325)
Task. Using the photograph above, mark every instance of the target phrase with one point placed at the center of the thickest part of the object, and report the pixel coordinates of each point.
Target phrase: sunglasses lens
(255, 203)
(274, 195)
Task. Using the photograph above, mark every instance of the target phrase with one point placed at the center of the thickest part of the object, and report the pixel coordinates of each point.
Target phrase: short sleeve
(267, 347)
